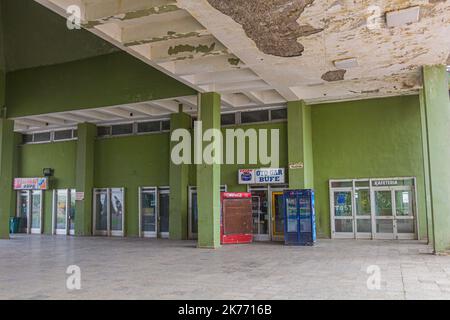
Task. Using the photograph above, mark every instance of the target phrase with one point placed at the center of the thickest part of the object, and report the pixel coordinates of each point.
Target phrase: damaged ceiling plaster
(272, 24)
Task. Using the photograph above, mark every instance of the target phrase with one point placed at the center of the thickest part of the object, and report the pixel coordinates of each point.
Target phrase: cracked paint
(190, 48)
(272, 24)
(335, 75)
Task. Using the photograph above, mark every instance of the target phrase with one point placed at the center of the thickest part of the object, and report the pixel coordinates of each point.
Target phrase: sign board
(383, 183)
(261, 176)
(79, 196)
(30, 183)
(297, 165)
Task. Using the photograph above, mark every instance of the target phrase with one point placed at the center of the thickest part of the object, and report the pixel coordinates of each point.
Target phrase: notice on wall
(261, 176)
(30, 183)
(79, 196)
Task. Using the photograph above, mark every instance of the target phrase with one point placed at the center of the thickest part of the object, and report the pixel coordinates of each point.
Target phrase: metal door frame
(55, 212)
(193, 190)
(372, 189)
(28, 195)
(117, 233)
(99, 191)
(148, 234)
(162, 190)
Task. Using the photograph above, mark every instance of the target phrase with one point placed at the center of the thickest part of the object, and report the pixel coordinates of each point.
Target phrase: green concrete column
(208, 178)
(179, 182)
(300, 146)
(7, 203)
(437, 119)
(85, 178)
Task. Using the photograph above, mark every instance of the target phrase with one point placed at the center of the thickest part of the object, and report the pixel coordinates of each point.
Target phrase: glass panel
(291, 213)
(343, 204)
(255, 116)
(194, 213)
(385, 226)
(279, 215)
(148, 211)
(27, 138)
(23, 211)
(62, 135)
(164, 212)
(116, 210)
(165, 125)
(36, 209)
(42, 137)
(383, 203)
(343, 225)
(403, 203)
(342, 184)
(120, 129)
(72, 209)
(101, 214)
(228, 119)
(153, 126)
(362, 199)
(260, 212)
(360, 184)
(405, 226)
(279, 114)
(61, 209)
(103, 131)
(364, 225)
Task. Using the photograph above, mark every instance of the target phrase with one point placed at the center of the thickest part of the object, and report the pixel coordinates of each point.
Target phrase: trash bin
(14, 225)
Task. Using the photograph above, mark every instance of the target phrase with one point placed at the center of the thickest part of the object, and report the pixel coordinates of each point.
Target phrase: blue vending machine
(299, 217)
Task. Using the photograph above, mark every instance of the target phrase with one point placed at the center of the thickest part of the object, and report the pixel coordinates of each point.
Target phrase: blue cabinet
(299, 217)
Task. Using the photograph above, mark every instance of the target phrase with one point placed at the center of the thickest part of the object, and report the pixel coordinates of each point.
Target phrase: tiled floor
(34, 267)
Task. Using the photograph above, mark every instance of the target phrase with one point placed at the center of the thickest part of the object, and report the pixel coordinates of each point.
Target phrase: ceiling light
(403, 16)
(346, 63)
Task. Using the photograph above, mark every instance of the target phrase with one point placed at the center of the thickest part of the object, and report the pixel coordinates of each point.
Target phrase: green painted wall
(369, 138)
(132, 162)
(60, 156)
(32, 28)
(229, 172)
(108, 80)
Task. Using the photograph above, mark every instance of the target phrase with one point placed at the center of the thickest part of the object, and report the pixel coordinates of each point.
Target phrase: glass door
(277, 216)
(384, 213)
(260, 208)
(72, 211)
(101, 209)
(404, 221)
(342, 213)
(117, 216)
(36, 211)
(23, 210)
(60, 211)
(148, 212)
(163, 212)
(363, 211)
(63, 221)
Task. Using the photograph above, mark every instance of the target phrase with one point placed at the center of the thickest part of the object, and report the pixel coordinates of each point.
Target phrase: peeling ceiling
(261, 53)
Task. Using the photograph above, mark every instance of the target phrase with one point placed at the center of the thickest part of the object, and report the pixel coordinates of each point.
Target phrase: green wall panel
(229, 172)
(132, 162)
(107, 80)
(366, 139)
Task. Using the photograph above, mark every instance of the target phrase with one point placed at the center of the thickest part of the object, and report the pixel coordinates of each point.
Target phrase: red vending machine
(236, 217)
